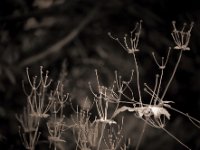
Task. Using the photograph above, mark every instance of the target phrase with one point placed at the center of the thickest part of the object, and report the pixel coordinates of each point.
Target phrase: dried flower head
(132, 45)
(181, 37)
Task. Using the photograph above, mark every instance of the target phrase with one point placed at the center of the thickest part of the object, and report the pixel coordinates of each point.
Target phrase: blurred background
(72, 35)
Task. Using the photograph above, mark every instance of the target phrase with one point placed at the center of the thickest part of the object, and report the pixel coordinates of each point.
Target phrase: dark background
(74, 33)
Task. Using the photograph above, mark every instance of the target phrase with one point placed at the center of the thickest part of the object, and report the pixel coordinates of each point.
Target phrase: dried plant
(29, 132)
(37, 99)
(30, 139)
(27, 122)
(105, 97)
(181, 37)
(35, 110)
(155, 112)
(86, 131)
(104, 131)
(56, 125)
(114, 136)
(39, 102)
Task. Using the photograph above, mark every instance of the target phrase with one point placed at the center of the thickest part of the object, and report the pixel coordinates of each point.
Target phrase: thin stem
(175, 138)
(192, 119)
(106, 110)
(159, 86)
(101, 136)
(138, 79)
(141, 136)
(155, 87)
(174, 71)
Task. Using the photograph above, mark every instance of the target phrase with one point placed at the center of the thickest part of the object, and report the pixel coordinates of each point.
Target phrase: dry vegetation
(81, 91)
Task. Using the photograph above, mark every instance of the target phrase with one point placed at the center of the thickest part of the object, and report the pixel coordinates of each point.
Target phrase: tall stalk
(172, 76)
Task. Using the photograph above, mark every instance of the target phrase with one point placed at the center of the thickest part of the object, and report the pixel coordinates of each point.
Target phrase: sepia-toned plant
(86, 131)
(28, 129)
(155, 112)
(97, 127)
(56, 125)
(38, 98)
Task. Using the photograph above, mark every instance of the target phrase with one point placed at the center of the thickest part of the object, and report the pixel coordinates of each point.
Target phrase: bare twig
(55, 48)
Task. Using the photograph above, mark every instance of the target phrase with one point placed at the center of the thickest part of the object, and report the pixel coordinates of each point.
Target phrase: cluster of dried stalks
(104, 131)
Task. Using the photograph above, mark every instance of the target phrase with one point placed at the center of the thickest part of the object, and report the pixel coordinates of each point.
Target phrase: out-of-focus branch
(57, 9)
(55, 48)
